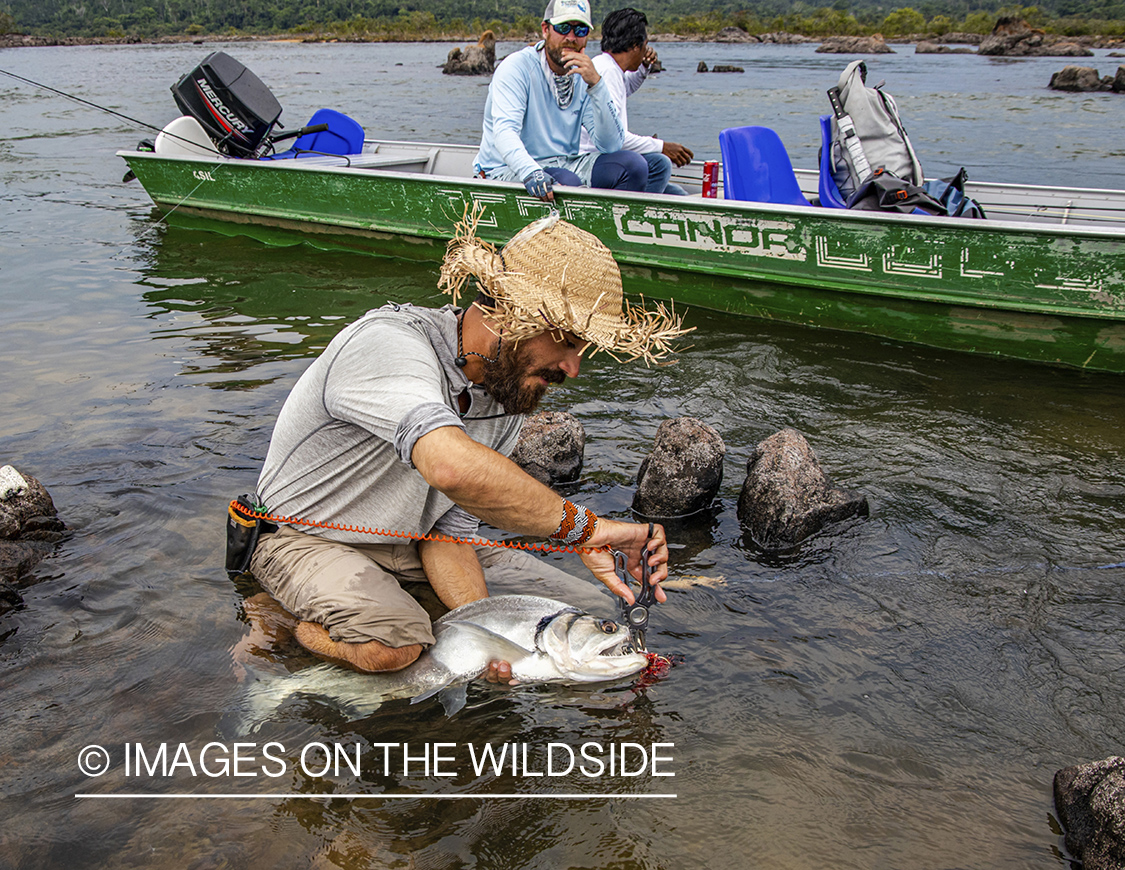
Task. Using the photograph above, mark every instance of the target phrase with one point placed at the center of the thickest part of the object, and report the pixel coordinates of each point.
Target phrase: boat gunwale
(1023, 228)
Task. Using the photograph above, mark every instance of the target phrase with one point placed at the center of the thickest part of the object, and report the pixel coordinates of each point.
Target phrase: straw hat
(552, 275)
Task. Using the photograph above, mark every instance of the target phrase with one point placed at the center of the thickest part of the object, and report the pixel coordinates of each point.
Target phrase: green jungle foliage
(517, 19)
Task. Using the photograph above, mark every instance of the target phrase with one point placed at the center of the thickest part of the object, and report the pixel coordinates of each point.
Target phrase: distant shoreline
(12, 40)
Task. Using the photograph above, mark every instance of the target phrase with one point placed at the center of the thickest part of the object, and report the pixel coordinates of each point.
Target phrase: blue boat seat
(343, 136)
(756, 167)
(829, 193)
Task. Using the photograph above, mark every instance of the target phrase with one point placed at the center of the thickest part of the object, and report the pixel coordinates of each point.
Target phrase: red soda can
(711, 178)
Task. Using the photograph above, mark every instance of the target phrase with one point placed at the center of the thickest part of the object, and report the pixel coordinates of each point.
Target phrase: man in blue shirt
(538, 102)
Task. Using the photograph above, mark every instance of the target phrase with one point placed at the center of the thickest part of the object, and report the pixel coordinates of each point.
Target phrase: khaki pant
(354, 590)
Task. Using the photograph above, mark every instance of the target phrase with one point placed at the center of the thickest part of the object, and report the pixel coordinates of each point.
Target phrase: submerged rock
(551, 447)
(683, 473)
(473, 60)
(786, 496)
(1090, 801)
(29, 523)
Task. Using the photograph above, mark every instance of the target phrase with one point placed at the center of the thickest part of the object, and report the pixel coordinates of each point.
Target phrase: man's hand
(501, 673)
(677, 153)
(540, 185)
(630, 539)
(649, 58)
(582, 64)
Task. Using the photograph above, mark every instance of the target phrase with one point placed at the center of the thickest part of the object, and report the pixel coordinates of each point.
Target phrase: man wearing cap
(540, 100)
(404, 424)
(624, 65)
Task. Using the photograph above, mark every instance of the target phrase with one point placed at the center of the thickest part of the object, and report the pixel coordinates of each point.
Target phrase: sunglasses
(580, 30)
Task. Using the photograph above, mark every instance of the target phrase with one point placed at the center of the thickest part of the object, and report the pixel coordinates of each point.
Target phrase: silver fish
(545, 641)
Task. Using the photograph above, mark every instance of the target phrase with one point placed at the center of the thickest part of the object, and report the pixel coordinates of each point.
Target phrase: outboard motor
(231, 103)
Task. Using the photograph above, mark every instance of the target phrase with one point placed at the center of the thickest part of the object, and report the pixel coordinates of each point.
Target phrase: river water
(898, 692)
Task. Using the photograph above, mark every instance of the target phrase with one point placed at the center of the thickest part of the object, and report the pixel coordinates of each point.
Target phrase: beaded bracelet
(577, 526)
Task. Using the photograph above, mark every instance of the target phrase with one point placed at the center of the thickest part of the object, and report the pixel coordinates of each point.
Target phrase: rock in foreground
(29, 524)
(786, 496)
(683, 473)
(1090, 800)
(551, 447)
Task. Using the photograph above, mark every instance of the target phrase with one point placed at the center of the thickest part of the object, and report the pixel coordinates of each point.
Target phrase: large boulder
(1090, 801)
(551, 447)
(1077, 78)
(855, 45)
(29, 523)
(473, 60)
(787, 497)
(1118, 86)
(1014, 37)
(682, 474)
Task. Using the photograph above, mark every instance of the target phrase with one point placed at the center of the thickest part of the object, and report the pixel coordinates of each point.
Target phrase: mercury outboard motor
(231, 103)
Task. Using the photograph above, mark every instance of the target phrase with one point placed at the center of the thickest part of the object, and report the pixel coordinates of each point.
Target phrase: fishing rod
(80, 100)
(291, 134)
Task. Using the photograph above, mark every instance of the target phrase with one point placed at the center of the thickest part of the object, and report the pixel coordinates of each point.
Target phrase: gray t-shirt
(340, 452)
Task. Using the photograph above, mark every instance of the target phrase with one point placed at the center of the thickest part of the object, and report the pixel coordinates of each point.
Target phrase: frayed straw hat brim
(553, 275)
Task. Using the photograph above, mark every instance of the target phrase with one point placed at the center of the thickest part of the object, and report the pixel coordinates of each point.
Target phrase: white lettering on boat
(903, 260)
(707, 231)
(202, 174)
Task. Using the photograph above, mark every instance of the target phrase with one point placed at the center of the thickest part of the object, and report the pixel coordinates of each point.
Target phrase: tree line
(519, 19)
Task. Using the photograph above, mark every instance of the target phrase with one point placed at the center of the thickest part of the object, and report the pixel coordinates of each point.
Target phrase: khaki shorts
(354, 590)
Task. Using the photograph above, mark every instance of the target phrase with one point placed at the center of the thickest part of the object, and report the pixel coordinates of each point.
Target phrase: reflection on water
(898, 692)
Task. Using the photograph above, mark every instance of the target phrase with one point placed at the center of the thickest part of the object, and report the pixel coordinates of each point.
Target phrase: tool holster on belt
(243, 531)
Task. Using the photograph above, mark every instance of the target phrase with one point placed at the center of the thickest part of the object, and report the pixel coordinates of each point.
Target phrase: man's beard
(555, 54)
(504, 380)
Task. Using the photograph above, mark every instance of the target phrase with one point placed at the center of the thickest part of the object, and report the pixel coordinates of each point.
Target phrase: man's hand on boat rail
(540, 185)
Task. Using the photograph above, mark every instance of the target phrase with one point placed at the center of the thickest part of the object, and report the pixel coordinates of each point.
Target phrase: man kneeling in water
(404, 424)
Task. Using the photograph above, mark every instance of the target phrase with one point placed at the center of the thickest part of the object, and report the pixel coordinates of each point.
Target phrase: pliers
(635, 615)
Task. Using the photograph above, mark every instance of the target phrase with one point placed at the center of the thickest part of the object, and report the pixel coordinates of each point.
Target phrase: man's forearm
(486, 484)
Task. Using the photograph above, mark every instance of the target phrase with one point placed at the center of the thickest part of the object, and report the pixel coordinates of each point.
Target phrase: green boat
(1042, 279)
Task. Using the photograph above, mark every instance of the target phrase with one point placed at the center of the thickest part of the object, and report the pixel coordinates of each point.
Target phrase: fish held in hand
(545, 641)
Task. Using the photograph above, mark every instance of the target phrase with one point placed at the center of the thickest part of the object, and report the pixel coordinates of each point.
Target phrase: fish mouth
(619, 648)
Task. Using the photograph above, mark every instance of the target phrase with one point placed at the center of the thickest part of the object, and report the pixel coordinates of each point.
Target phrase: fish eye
(608, 626)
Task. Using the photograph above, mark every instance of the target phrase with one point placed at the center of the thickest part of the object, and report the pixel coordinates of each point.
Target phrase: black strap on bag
(885, 191)
(243, 531)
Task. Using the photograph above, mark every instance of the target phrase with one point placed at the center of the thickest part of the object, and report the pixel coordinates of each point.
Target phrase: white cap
(561, 11)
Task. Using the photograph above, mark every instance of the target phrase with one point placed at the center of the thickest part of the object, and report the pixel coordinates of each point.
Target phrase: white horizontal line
(434, 797)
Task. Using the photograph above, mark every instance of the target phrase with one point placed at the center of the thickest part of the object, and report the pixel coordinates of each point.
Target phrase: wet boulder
(473, 60)
(551, 447)
(1077, 78)
(682, 474)
(29, 524)
(787, 497)
(1090, 802)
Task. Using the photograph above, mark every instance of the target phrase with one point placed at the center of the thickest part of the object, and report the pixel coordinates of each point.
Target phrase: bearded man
(539, 102)
(404, 425)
